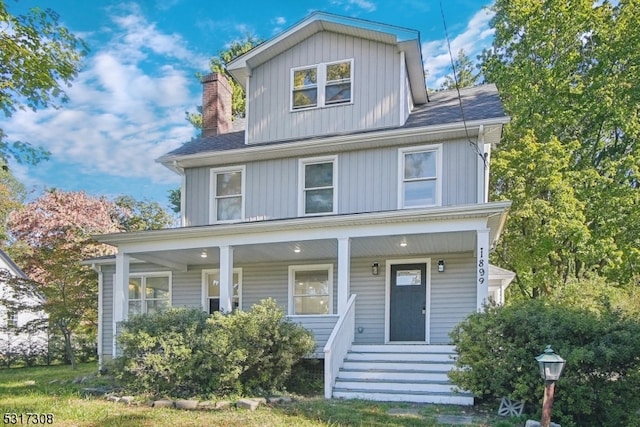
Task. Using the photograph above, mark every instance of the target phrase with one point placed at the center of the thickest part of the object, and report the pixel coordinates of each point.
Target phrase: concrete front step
(401, 373)
(401, 357)
(415, 397)
(372, 374)
(404, 348)
(395, 385)
(383, 365)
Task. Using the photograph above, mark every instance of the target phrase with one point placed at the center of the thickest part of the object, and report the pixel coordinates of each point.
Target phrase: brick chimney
(216, 104)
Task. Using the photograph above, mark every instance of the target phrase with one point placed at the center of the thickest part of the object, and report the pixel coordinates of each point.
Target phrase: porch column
(226, 279)
(120, 295)
(482, 267)
(344, 272)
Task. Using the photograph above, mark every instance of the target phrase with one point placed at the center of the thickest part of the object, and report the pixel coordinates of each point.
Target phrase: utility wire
(455, 80)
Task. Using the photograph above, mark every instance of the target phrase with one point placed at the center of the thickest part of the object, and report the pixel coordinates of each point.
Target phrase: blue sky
(127, 105)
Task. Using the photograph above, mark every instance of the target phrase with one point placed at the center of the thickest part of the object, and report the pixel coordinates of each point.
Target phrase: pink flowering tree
(51, 235)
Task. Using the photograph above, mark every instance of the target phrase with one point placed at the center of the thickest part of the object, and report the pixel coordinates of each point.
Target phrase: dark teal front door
(408, 302)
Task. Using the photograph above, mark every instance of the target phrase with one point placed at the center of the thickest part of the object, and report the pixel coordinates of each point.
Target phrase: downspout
(98, 269)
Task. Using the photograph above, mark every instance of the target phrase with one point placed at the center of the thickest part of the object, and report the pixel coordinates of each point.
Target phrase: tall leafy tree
(218, 65)
(38, 58)
(51, 236)
(466, 73)
(568, 74)
(140, 215)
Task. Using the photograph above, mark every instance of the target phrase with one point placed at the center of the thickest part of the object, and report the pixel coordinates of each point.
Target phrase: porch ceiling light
(297, 249)
(204, 254)
(403, 243)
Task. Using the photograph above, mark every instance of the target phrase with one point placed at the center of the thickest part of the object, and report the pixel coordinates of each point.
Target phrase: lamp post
(551, 366)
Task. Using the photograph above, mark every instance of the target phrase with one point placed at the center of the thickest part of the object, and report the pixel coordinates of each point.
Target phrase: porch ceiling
(416, 244)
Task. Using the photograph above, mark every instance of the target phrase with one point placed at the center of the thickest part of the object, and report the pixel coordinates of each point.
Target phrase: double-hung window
(318, 178)
(311, 289)
(227, 199)
(211, 289)
(149, 292)
(420, 176)
(321, 85)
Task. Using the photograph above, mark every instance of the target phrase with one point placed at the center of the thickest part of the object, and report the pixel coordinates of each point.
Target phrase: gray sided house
(352, 197)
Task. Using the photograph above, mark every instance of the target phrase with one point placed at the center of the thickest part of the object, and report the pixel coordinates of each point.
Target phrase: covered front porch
(335, 275)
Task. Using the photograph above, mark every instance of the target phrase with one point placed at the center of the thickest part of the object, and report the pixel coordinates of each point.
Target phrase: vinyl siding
(370, 300)
(107, 309)
(367, 182)
(453, 294)
(375, 90)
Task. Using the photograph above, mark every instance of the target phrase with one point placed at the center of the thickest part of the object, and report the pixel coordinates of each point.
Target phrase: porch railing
(338, 345)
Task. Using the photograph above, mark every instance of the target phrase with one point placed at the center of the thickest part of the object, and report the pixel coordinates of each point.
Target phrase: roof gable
(406, 40)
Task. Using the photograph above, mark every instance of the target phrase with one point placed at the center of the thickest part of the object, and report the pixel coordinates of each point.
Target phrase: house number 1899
(481, 270)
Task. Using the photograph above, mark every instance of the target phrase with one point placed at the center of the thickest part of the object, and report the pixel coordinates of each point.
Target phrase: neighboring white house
(17, 314)
(353, 197)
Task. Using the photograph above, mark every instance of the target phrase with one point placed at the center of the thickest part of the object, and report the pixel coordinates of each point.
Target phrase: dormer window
(321, 85)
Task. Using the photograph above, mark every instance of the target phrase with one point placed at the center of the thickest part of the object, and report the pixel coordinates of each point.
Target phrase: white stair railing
(338, 346)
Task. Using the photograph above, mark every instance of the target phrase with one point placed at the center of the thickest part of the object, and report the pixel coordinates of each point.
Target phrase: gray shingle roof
(479, 103)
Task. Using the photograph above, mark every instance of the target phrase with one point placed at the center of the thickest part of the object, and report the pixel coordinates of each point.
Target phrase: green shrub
(184, 352)
(600, 383)
(254, 351)
(159, 352)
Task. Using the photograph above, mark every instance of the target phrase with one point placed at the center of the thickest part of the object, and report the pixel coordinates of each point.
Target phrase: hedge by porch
(185, 352)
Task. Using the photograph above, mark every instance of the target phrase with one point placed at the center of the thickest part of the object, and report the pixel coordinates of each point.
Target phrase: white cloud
(476, 37)
(349, 5)
(124, 110)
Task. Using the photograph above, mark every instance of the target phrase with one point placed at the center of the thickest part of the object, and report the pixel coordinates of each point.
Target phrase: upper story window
(321, 85)
(149, 292)
(227, 198)
(310, 289)
(420, 176)
(318, 178)
(211, 289)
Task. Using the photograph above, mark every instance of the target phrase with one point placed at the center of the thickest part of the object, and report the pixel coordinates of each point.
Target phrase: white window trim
(301, 190)
(213, 211)
(143, 276)
(308, 267)
(418, 149)
(205, 286)
(321, 85)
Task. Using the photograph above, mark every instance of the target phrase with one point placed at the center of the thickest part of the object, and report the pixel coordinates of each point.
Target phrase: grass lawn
(48, 390)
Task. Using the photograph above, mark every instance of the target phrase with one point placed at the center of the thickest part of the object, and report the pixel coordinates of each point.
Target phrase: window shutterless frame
(317, 186)
(308, 296)
(207, 297)
(144, 293)
(227, 194)
(420, 176)
(321, 85)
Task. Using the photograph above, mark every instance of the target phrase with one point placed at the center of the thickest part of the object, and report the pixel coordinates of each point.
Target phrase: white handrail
(338, 345)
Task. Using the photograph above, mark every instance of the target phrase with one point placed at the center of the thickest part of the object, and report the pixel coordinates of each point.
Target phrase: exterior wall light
(551, 366)
(441, 266)
(375, 268)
